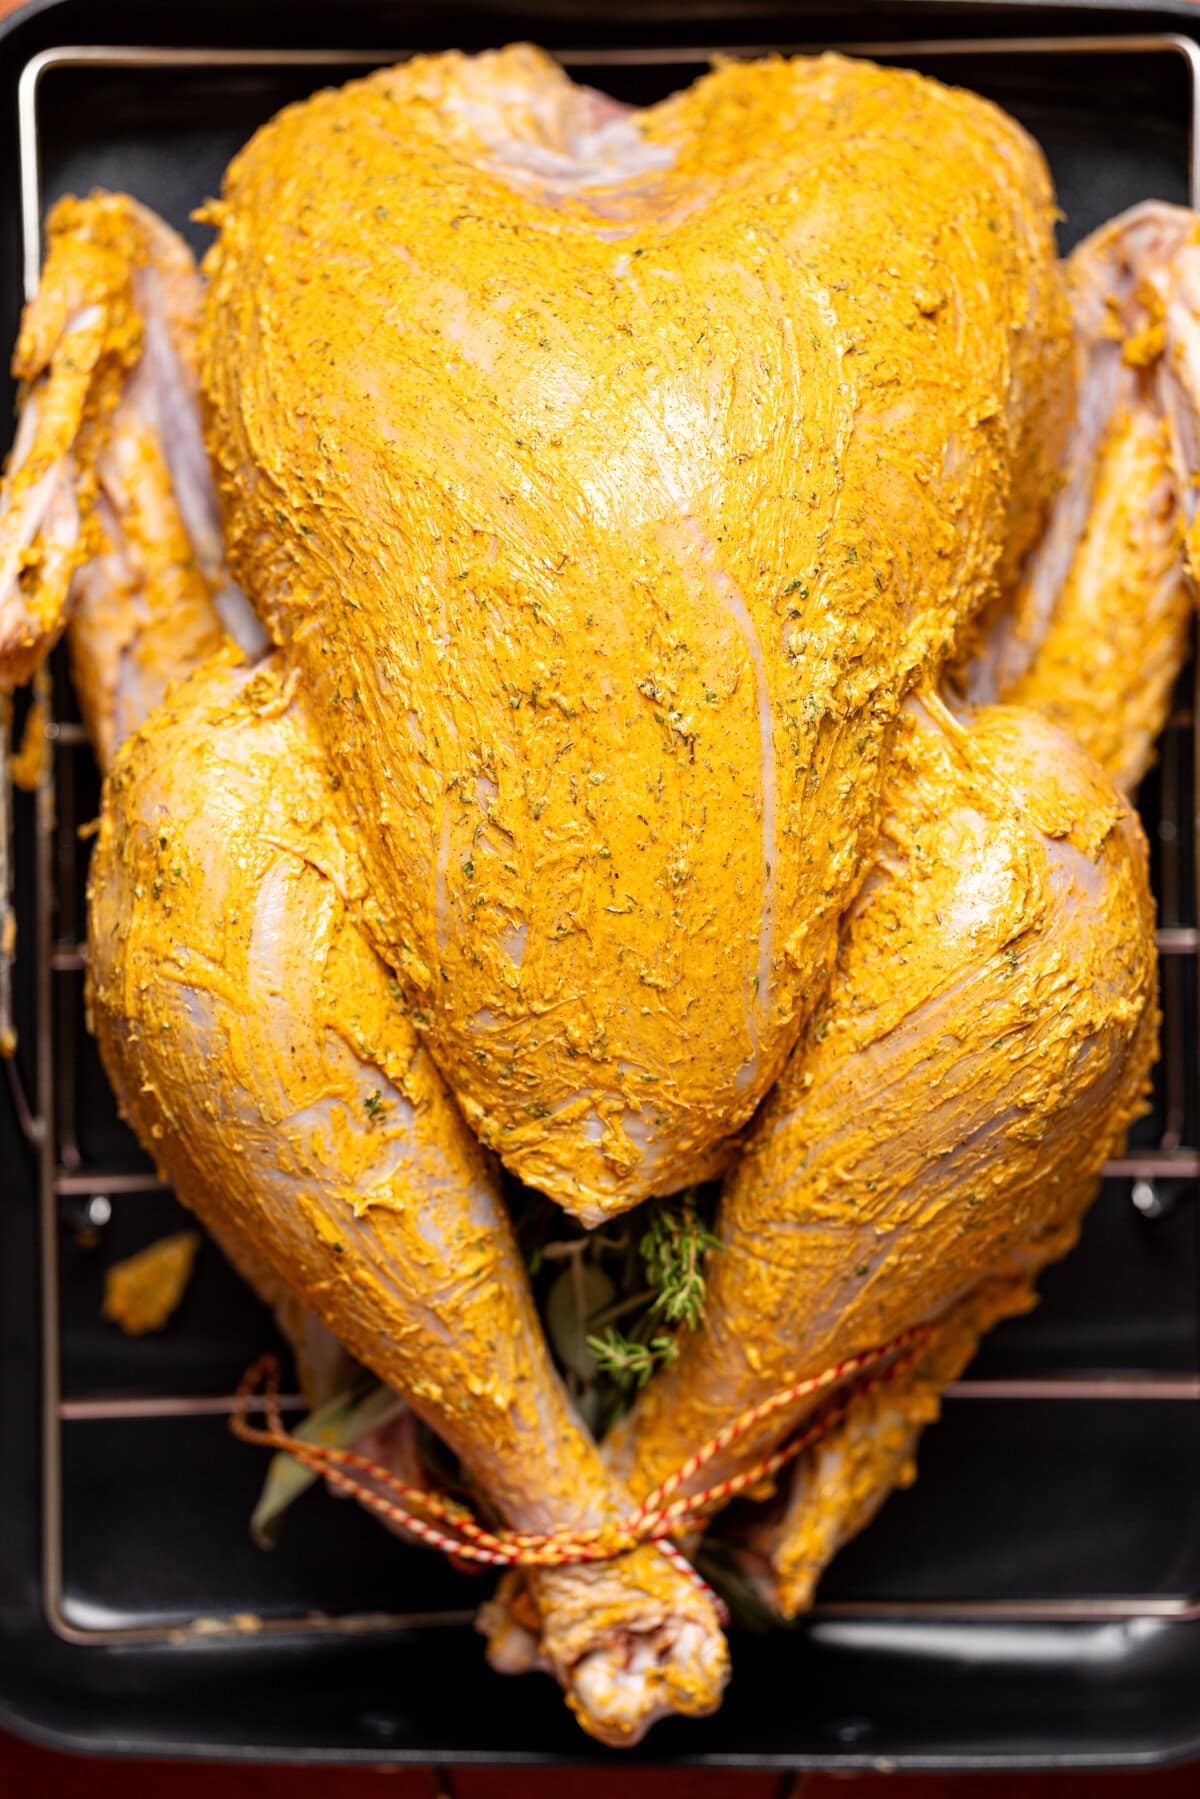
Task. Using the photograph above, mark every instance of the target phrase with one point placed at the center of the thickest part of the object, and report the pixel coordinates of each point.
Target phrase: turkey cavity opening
(542, 132)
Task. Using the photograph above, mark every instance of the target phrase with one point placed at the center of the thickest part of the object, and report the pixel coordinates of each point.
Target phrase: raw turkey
(570, 732)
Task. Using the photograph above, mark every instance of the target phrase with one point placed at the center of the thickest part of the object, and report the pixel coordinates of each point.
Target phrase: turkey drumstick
(223, 937)
(981, 1050)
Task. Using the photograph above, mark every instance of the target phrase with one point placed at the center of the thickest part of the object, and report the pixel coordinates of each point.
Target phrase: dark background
(27, 1772)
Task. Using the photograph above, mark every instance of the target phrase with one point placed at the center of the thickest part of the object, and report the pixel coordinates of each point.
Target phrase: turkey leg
(981, 1051)
(223, 938)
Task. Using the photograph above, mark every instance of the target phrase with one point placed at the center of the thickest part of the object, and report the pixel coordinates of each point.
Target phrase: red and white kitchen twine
(446, 1524)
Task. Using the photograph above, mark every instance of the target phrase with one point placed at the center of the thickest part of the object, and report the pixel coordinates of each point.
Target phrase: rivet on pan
(850, 1731)
(1148, 1200)
(87, 1218)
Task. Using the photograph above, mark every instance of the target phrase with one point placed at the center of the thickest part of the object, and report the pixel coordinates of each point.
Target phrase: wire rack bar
(1160, 1164)
(1115, 1389)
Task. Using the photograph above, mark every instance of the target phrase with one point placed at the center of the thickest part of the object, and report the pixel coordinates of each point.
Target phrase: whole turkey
(571, 610)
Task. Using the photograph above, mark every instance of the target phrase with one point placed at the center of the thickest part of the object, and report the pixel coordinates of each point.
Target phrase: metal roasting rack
(80, 1190)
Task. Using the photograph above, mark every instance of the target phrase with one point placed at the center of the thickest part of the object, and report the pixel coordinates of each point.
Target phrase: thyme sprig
(673, 1251)
(629, 1362)
(615, 1300)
